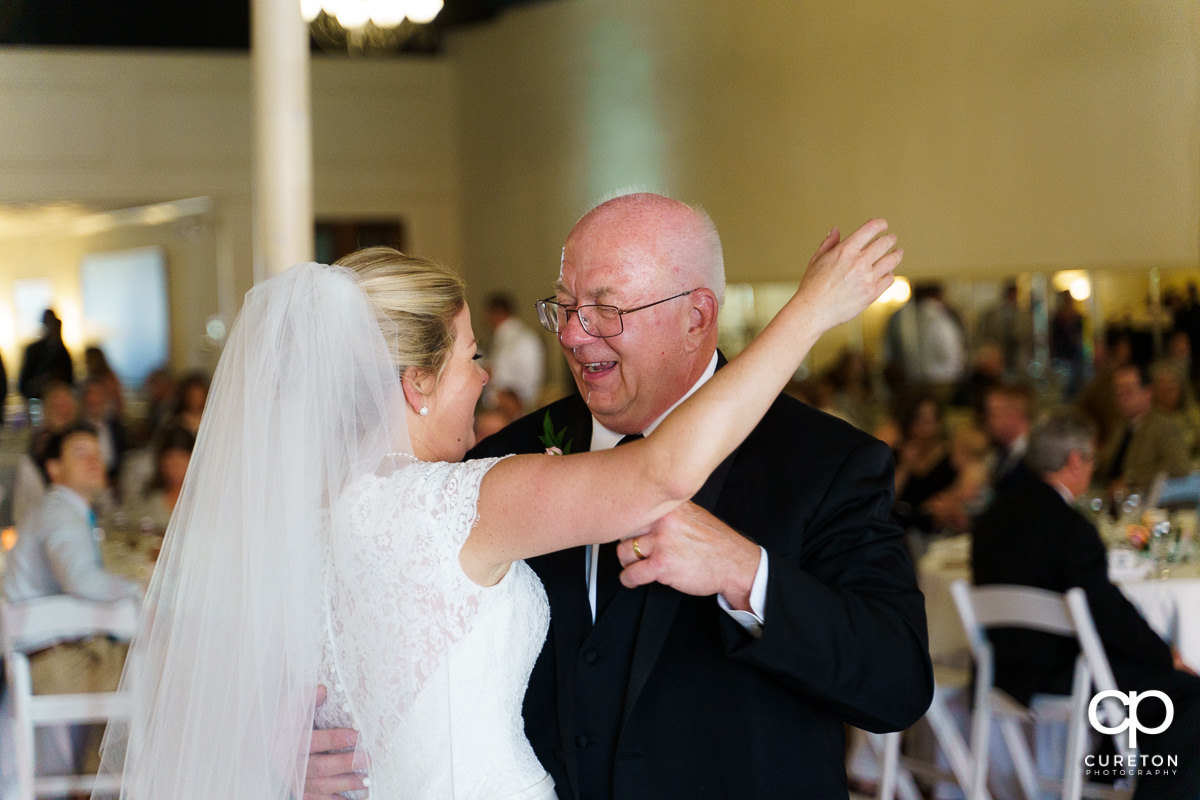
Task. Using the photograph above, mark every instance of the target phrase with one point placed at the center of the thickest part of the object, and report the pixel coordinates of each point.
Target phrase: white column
(283, 215)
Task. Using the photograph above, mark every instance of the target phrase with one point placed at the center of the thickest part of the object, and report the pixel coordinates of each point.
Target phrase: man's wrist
(740, 580)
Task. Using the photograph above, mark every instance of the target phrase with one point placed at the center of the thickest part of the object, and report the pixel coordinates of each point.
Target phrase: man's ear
(702, 314)
(54, 470)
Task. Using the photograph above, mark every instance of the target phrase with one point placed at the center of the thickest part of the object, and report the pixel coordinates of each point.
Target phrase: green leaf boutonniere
(553, 440)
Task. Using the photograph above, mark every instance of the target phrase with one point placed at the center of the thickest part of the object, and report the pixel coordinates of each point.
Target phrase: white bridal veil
(223, 670)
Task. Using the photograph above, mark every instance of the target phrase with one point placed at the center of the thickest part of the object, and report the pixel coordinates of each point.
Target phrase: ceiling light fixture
(361, 27)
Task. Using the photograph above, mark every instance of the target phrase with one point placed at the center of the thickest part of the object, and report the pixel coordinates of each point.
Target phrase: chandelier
(366, 26)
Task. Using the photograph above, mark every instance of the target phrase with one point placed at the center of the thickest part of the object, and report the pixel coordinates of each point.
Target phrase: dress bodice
(428, 666)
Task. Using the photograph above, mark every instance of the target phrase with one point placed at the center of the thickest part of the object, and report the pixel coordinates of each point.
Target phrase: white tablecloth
(1171, 605)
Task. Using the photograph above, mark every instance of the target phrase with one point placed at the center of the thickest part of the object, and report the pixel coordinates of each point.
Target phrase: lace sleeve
(399, 599)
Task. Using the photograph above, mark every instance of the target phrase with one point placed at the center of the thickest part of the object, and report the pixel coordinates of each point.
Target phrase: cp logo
(1131, 701)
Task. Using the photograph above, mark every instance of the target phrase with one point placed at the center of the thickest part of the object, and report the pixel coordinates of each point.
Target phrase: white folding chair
(1111, 713)
(897, 771)
(37, 624)
(1002, 606)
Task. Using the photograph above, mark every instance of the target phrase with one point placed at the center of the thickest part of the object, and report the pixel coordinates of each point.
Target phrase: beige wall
(114, 130)
(997, 137)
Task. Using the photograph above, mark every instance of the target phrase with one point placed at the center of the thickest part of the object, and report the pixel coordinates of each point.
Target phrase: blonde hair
(417, 301)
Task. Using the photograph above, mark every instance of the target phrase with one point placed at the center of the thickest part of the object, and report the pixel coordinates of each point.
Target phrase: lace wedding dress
(428, 666)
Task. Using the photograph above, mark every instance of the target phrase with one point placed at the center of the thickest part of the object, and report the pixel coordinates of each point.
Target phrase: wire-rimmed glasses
(597, 320)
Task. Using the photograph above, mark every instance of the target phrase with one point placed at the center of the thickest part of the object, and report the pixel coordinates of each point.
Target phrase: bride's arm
(530, 505)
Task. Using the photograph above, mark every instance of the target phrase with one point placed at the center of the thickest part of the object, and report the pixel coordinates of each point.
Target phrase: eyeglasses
(597, 320)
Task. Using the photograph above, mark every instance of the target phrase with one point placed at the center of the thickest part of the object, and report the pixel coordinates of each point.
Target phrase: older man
(1032, 536)
(747, 628)
(763, 617)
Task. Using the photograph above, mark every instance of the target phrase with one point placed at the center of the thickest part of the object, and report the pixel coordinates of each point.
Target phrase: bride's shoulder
(414, 484)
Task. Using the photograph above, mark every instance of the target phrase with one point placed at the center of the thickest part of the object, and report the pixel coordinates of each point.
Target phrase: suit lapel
(662, 602)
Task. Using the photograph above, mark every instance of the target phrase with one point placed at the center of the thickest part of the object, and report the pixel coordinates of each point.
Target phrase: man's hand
(694, 552)
(331, 762)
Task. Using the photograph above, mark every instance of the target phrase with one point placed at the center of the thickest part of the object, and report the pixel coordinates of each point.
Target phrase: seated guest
(1147, 443)
(987, 371)
(193, 394)
(1173, 396)
(923, 464)
(98, 410)
(59, 410)
(854, 393)
(171, 457)
(953, 508)
(57, 553)
(1033, 536)
(1007, 418)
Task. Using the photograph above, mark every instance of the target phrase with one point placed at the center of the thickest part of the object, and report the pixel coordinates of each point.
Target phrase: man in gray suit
(58, 553)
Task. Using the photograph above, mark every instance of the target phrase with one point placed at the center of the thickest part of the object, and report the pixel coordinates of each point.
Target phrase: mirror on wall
(1050, 327)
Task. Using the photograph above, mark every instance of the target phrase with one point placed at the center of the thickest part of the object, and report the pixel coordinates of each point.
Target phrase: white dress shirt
(604, 439)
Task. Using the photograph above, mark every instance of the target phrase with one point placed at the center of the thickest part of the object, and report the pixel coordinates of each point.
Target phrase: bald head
(681, 240)
(660, 262)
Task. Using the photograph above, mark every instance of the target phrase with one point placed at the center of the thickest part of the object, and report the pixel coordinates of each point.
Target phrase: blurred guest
(1097, 400)
(159, 392)
(3, 390)
(954, 508)
(490, 420)
(1066, 342)
(1007, 418)
(925, 344)
(1179, 355)
(854, 396)
(1007, 326)
(1033, 536)
(923, 465)
(1173, 396)
(99, 411)
(46, 359)
(516, 358)
(59, 410)
(193, 394)
(97, 369)
(58, 553)
(1187, 319)
(1147, 443)
(988, 371)
(172, 454)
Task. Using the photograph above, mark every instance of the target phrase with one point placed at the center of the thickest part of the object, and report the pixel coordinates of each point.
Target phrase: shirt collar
(1067, 495)
(74, 498)
(603, 438)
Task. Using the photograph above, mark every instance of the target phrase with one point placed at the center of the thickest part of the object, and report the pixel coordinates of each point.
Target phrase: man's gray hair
(1057, 434)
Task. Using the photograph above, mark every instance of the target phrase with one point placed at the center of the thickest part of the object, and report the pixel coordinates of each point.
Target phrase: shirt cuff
(752, 620)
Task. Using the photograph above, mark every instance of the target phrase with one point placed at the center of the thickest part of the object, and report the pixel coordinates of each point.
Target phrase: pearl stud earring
(424, 412)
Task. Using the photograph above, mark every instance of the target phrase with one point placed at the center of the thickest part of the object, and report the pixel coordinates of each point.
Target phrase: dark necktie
(608, 564)
(1118, 464)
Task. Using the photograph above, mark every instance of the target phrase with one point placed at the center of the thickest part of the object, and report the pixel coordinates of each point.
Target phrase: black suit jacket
(1031, 537)
(709, 710)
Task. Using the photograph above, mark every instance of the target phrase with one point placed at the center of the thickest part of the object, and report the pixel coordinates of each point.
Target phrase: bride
(329, 457)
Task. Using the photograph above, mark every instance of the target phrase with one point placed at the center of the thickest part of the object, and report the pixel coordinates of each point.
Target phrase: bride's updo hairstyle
(417, 300)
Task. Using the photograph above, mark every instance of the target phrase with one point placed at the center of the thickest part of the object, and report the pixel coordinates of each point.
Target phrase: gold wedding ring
(637, 551)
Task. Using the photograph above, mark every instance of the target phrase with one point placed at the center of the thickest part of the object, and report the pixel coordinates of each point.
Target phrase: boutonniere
(553, 440)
